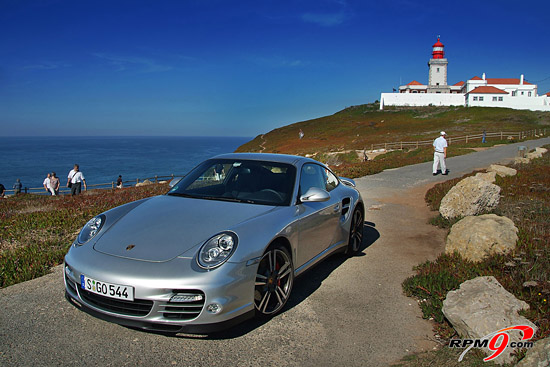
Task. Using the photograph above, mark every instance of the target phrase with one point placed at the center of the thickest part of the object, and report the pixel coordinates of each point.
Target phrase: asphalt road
(347, 312)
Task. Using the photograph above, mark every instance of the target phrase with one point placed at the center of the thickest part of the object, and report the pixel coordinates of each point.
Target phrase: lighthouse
(437, 81)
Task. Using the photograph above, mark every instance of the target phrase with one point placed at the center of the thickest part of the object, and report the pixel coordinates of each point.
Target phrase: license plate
(110, 290)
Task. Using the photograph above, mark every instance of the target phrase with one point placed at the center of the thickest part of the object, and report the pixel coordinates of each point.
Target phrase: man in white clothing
(75, 179)
(440, 153)
(46, 184)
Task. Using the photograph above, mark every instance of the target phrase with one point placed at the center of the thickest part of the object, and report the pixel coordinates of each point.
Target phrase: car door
(318, 221)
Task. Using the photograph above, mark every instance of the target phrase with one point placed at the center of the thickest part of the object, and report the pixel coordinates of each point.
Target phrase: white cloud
(329, 18)
(325, 20)
(46, 66)
(143, 65)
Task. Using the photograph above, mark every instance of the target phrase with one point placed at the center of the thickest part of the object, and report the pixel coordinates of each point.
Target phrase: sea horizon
(103, 158)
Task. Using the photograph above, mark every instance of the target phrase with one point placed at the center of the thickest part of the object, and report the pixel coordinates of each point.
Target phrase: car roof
(270, 157)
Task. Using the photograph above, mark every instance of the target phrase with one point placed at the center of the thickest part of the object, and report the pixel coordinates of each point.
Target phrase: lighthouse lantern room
(438, 70)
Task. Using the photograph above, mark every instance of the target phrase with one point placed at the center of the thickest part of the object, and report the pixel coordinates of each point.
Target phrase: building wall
(420, 99)
(517, 103)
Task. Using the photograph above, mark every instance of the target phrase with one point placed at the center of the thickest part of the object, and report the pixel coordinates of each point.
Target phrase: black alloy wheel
(355, 233)
(274, 281)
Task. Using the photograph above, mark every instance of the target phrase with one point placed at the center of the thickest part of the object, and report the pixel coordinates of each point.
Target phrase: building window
(481, 98)
(529, 94)
(494, 99)
(438, 70)
(514, 93)
(475, 98)
(500, 99)
(522, 93)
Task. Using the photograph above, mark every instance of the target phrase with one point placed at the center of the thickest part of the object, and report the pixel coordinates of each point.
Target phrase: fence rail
(501, 135)
(106, 185)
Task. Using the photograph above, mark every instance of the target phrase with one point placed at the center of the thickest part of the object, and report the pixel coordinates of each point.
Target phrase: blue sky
(242, 68)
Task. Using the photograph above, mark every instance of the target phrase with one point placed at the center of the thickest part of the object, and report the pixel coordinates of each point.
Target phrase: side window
(331, 181)
(313, 175)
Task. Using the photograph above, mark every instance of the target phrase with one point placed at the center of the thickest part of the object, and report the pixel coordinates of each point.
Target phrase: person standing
(17, 186)
(75, 180)
(54, 184)
(47, 185)
(2, 191)
(440, 153)
(119, 182)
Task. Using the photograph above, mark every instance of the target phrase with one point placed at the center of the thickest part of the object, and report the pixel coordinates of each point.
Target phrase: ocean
(102, 159)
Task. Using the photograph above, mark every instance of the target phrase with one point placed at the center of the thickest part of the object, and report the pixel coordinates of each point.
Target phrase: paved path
(348, 312)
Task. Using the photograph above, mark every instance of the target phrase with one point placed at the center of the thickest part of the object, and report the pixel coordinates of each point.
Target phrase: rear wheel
(274, 281)
(355, 233)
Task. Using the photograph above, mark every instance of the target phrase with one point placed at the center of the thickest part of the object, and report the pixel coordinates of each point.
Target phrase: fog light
(214, 308)
(186, 297)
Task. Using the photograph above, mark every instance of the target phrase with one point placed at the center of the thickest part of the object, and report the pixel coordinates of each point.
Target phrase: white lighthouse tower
(437, 82)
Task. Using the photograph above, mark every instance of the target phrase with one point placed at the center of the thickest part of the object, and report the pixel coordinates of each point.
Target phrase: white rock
(478, 237)
(470, 196)
(482, 306)
(502, 171)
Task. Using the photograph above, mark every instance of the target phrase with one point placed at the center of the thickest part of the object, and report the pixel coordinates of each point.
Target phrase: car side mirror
(315, 195)
(174, 181)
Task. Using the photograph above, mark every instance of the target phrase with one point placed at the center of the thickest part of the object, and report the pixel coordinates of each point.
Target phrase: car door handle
(337, 208)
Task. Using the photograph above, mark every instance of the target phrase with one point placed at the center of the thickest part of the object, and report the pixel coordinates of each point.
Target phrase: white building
(514, 93)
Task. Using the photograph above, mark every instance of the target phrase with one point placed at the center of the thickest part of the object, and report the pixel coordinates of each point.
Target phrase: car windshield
(248, 181)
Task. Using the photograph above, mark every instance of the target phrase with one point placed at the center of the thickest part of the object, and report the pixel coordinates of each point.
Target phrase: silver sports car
(224, 244)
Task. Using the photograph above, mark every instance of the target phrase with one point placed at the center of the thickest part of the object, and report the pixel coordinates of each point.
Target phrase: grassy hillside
(357, 127)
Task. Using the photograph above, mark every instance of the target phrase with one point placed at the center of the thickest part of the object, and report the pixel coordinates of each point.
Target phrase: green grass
(358, 127)
(525, 200)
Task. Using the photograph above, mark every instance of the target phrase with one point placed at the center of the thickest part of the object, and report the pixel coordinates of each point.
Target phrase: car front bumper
(222, 297)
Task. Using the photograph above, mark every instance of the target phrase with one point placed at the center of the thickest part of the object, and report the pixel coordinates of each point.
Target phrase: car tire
(355, 233)
(274, 280)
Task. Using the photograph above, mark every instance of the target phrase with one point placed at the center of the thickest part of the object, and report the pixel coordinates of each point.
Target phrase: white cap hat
(443, 133)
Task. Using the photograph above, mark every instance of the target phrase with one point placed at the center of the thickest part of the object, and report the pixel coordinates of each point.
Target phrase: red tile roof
(459, 84)
(505, 81)
(476, 78)
(487, 90)
(414, 82)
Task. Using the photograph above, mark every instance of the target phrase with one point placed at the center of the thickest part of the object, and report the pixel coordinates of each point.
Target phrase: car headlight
(217, 250)
(91, 229)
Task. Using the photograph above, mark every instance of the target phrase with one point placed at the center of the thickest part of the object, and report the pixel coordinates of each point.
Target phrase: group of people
(75, 179)
(52, 183)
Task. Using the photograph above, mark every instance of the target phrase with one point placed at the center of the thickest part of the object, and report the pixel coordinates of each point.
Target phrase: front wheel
(274, 281)
(355, 233)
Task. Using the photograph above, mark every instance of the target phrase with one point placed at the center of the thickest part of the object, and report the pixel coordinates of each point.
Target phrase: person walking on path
(17, 186)
(46, 184)
(75, 180)
(54, 184)
(440, 153)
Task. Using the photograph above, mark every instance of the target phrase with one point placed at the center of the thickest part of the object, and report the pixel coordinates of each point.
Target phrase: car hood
(164, 227)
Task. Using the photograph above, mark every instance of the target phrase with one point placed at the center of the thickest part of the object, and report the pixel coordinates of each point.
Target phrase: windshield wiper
(183, 195)
(223, 198)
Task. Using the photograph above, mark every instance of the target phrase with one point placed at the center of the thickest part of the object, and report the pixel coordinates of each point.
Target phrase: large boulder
(490, 177)
(480, 307)
(538, 356)
(537, 153)
(502, 171)
(478, 237)
(470, 196)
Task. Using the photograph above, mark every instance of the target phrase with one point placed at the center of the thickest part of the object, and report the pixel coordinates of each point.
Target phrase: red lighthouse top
(438, 52)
